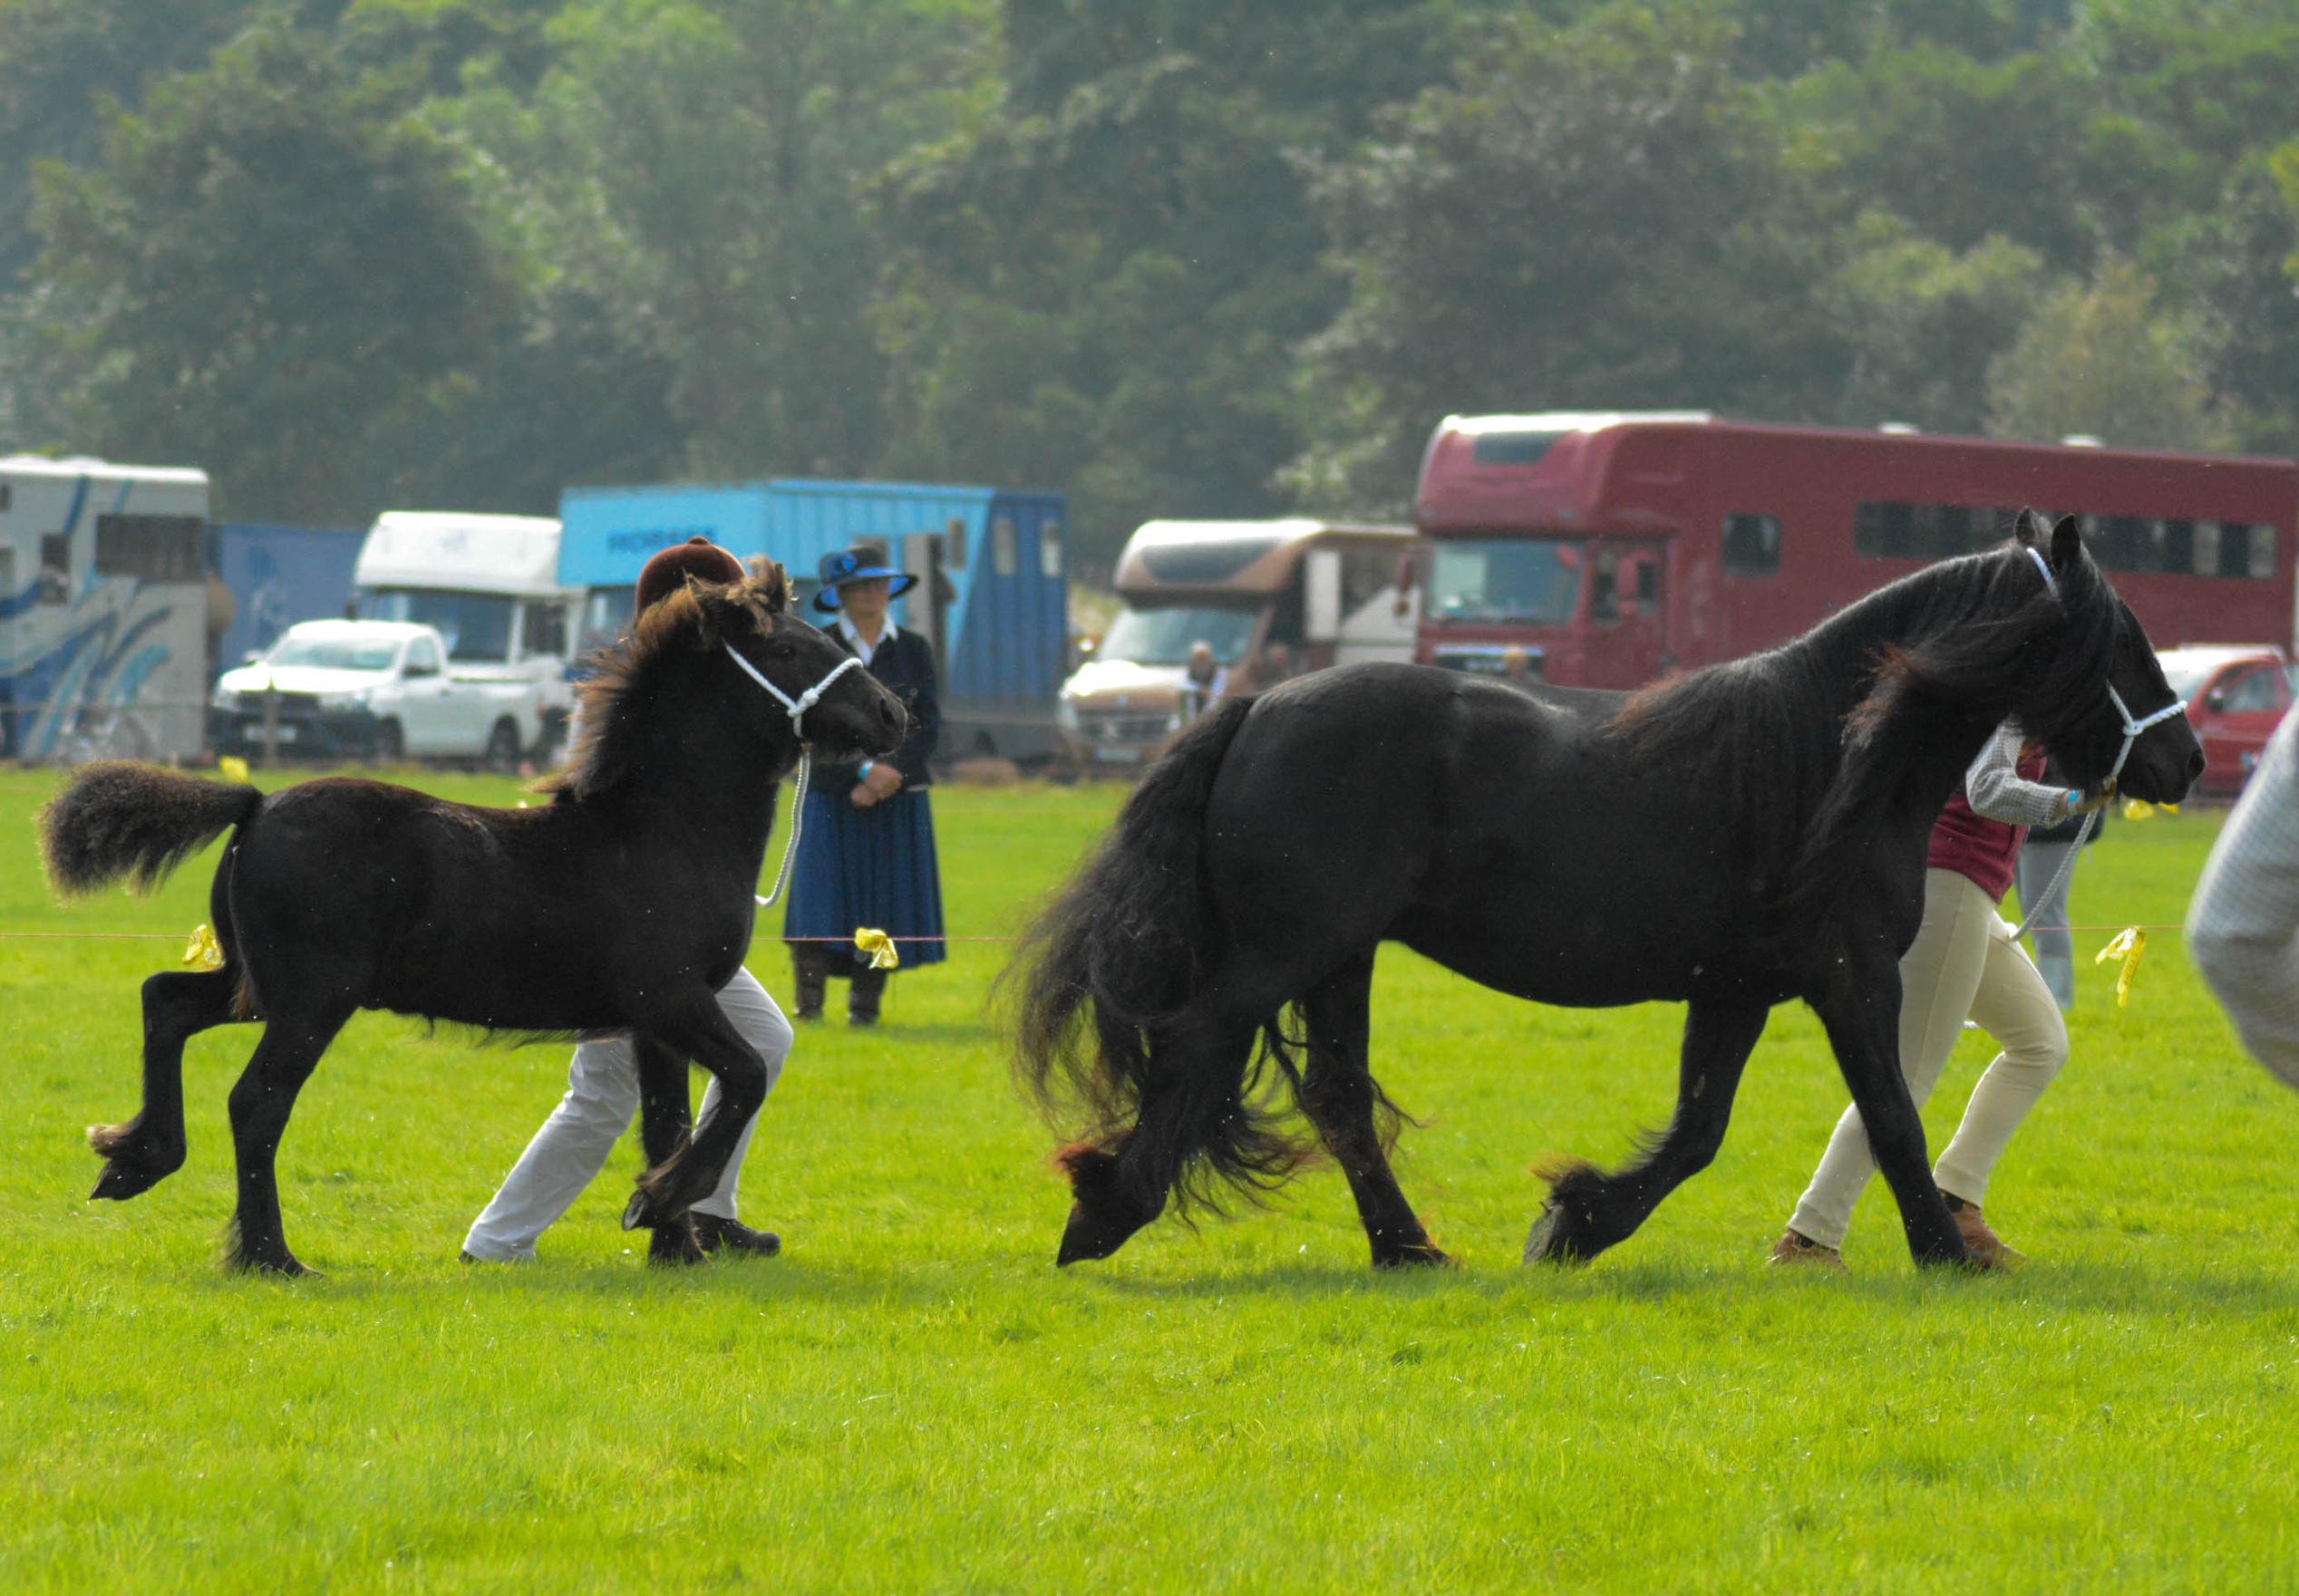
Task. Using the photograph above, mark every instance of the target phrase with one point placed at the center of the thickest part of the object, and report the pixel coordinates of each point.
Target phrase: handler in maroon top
(1964, 960)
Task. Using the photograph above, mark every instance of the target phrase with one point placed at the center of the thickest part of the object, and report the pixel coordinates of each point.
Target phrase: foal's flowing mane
(1960, 646)
(623, 675)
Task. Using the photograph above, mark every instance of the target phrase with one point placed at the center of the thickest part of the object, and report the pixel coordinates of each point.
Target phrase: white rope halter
(795, 708)
(2131, 729)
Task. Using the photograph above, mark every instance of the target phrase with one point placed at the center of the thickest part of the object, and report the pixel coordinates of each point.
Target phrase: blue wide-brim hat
(865, 562)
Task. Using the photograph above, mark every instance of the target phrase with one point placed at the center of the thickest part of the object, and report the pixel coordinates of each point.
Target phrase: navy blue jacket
(904, 664)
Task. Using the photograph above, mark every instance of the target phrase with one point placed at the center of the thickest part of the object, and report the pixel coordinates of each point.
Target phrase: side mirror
(251, 656)
(2215, 701)
(414, 670)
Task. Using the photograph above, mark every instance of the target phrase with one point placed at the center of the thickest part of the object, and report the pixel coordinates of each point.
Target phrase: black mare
(623, 904)
(1746, 835)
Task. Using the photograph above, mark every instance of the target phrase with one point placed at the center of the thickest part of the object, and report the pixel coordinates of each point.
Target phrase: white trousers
(1961, 964)
(602, 1097)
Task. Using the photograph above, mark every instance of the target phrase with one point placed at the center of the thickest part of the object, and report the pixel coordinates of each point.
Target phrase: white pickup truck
(377, 689)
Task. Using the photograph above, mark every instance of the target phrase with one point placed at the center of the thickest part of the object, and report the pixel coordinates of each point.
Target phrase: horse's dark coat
(624, 904)
(1747, 835)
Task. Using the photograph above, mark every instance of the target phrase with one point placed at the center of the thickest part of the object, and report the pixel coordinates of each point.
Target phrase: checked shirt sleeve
(1993, 786)
(2242, 927)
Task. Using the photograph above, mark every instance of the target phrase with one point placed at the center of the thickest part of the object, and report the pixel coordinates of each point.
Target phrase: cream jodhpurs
(1962, 963)
(602, 1096)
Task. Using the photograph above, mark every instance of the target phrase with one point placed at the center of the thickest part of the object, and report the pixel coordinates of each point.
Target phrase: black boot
(862, 1000)
(715, 1235)
(811, 972)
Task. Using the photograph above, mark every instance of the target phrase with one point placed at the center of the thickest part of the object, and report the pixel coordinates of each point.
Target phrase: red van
(2235, 695)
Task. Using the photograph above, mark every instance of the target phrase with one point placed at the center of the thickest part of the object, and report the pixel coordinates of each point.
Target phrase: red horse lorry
(1605, 550)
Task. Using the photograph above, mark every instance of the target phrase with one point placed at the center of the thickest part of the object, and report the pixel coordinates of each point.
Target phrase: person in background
(1963, 962)
(1277, 665)
(2242, 926)
(1203, 682)
(867, 859)
(2045, 860)
(1515, 668)
(602, 1080)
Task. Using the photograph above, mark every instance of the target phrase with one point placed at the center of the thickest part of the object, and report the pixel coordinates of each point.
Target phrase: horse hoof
(283, 1267)
(1545, 1242)
(638, 1212)
(121, 1181)
(1425, 1255)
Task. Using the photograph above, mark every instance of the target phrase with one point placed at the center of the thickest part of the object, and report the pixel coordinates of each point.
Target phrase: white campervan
(490, 586)
(103, 610)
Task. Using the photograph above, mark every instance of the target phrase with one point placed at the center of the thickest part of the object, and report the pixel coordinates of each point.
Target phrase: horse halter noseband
(2132, 728)
(795, 708)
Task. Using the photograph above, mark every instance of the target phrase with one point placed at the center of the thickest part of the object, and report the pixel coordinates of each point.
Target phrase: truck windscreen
(1163, 637)
(1524, 580)
(477, 625)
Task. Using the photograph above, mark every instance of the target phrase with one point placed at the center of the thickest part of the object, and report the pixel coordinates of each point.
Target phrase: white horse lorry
(489, 585)
(103, 610)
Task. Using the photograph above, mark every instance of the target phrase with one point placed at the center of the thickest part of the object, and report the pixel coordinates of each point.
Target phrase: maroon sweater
(1975, 847)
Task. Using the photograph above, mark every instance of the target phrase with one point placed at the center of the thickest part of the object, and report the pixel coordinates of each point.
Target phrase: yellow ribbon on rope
(202, 950)
(2141, 809)
(2130, 944)
(879, 946)
(232, 769)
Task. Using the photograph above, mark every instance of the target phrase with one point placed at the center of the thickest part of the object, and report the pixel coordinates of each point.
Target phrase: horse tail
(1122, 949)
(117, 819)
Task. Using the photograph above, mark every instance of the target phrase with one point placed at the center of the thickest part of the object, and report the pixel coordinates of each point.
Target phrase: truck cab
(489, 585)
(1267, 599)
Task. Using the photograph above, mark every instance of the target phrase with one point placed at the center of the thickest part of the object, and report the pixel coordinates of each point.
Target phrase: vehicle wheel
(502, 746)
(391, 746)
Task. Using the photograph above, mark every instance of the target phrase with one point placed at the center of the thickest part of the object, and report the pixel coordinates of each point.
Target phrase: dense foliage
(1186, 257)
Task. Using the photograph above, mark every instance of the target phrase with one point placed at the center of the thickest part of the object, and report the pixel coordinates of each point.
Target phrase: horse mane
(623, 674)
(1964, 644)
(2039, 659)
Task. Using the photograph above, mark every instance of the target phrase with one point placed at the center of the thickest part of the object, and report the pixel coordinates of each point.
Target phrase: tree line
(1191, 258)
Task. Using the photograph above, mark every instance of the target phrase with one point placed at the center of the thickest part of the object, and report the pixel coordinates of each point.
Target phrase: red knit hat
(667, 572)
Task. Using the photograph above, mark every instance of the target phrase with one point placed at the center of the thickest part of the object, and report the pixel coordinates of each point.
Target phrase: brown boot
(1802, 1252)
(862, 999)
(808, 969)
(1987, 1248)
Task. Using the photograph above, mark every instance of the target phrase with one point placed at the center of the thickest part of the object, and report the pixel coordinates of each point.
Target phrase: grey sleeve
(1993, 786)
(2243, 925)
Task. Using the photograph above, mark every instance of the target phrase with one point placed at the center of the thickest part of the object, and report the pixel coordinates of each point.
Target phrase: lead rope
(795, 708)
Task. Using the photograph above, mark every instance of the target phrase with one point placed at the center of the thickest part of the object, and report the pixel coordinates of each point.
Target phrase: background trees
(1180, 257)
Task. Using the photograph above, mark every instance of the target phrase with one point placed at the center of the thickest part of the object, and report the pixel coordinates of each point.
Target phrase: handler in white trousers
(602, 1081)
(602, 1097)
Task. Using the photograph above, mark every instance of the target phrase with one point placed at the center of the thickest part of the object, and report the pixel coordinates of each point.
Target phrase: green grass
(913, 1398)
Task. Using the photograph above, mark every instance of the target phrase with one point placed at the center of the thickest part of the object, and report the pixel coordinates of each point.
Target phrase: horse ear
(2067, 543)
(710, 604)
(2028, 528)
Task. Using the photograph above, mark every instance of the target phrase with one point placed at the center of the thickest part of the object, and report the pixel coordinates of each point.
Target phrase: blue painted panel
(279, 575)
(1007, 630)
(607, 533)
(1016, 614)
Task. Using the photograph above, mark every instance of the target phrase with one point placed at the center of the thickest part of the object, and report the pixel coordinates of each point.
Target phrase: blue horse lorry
(993, 598)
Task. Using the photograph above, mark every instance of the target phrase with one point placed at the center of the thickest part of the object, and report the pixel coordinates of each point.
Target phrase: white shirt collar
(863, 651)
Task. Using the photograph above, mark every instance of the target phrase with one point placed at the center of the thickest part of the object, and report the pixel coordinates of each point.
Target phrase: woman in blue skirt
(867, 858)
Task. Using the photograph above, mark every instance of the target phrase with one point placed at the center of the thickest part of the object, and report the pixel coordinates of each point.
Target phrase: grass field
(913, 1398)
